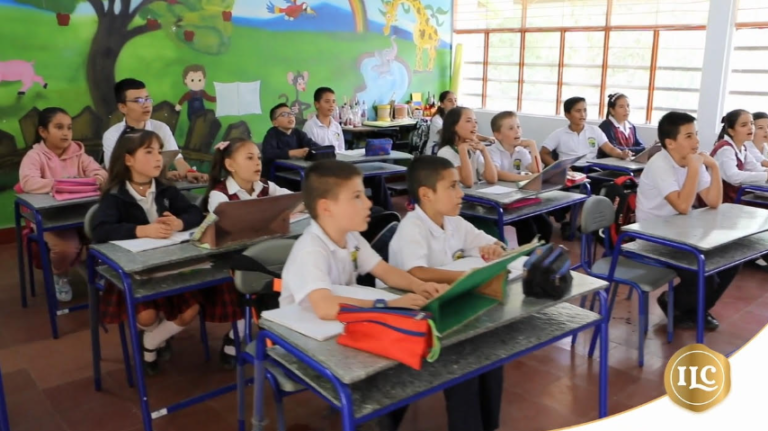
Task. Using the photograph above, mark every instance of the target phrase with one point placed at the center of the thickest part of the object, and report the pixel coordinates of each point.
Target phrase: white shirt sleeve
(726, 159)
(479, 161)
(169, 141)
(435, 125)
(309, 129)
(704, 179)
(664, 180)
(448, 153)
(474, 238)
(409, 248)
(525, 161)
(108, 142)
(313, 274)
(601, 138)
(275, 190)
(754, 152)
(367, 258)
(752, 164)
(496, 156)
(552, 141)
(216, 198)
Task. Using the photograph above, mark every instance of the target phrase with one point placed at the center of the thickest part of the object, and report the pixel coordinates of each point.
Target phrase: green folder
(474, 293)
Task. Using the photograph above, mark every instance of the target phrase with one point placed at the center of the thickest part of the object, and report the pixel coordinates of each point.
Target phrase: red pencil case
(74, 188)
(406, 336)
(522, 203)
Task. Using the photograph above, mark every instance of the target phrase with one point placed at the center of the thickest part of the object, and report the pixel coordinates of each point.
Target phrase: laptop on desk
(553, 177)
(169, 156)
(646, 155)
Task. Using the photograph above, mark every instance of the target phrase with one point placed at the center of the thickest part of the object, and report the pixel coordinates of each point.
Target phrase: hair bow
(221, 146)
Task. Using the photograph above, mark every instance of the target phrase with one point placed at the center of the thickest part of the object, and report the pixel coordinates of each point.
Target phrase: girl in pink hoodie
(57, 156)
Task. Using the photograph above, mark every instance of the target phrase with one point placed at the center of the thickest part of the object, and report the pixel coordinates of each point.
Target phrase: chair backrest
(378, 223)
(380, 244)
(194, 198)
(598, 213)
(88, 222)
(271, 255)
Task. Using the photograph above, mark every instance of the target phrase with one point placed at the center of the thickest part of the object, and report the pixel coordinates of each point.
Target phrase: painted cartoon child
(194, 79)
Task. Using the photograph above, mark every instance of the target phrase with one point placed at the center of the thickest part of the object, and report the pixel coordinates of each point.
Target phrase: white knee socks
(156, 338)
(230, 350)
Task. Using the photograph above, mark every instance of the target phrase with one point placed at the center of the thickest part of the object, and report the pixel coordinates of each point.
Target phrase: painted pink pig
(20, 70)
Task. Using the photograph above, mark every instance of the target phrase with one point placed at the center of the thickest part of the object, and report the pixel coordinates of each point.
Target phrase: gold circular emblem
(697, 378)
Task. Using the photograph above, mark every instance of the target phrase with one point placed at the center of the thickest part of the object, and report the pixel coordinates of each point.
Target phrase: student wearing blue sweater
(620, 132)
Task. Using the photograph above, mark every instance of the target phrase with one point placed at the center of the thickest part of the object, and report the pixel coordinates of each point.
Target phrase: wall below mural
(213, 67)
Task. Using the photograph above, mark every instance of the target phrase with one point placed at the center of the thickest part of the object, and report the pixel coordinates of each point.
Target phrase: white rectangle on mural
(238, 98)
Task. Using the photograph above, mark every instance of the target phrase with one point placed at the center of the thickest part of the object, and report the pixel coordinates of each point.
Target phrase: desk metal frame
(262, 375)
(754, 188)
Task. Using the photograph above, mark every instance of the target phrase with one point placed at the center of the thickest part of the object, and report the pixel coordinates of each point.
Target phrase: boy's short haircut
(273, 111)
(192, 68)
(499, 118)
(570, 103)
(322, 91)
(125, 85)
(426, 171)
(670, 124)
(322, 181)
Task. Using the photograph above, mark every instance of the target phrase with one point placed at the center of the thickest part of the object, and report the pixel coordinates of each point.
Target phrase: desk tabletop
(549, 201)
(401, 382)
(621, 163)
(52, 219)
(351, 365)
(42, 201)
(706, 229)
(723, 257)
(388, 124)
(355, 159)
(503, 198)
(132, 262)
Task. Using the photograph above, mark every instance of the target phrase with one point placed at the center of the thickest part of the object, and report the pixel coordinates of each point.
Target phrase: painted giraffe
(424, 34)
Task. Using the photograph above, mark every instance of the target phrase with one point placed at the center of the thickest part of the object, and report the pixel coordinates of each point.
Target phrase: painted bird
(291, 12)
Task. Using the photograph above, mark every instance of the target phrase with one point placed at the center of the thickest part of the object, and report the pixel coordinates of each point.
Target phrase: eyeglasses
(286, 114)
(141, 100)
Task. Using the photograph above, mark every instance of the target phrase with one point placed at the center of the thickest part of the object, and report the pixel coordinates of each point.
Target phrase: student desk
(47, 214)
(370, 168)
(121, 267)
(710, 241)
(614, 164)
(364, 386)
(491, 207)
(758, 194)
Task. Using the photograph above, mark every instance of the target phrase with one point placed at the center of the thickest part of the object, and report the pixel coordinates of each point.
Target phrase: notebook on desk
(143, 244)
(247, 220)
(646, 155)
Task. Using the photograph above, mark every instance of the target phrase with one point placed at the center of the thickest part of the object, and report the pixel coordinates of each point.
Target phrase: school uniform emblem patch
(458, 254)
(517, 163)
(592, 142)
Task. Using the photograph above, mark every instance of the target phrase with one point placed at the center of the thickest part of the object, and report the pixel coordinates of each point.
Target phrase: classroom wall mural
(213, 67)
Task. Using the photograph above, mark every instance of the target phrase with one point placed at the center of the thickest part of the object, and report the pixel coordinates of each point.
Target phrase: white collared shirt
(147, 202)
(756, 154)
(475, 159)
(420, 242)
(570, 144)
(515, 162)
(626, 127)
(217, 197)
(727, 158)
(662, 176)
(325, 135)
(316, 262)
(109, 140)
(435, 126)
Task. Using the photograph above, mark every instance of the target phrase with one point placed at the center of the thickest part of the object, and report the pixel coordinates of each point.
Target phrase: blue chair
(598, 213)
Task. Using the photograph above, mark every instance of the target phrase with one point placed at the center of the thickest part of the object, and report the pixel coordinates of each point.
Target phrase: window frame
(524, 30)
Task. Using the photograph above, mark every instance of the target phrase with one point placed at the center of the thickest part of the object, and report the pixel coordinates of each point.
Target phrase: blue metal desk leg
(259, 382)
(603, 395)
(93, 310)
(700, 311)
(138, 352)
(48, 284)
(4, 425)
(20, 254)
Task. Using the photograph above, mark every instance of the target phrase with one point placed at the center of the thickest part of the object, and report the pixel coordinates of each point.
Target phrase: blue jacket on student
(276, 144)
(619, 139)
(119, 213)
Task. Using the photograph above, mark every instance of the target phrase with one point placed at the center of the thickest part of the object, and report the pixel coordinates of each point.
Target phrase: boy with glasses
(134, 102)
(283, 140)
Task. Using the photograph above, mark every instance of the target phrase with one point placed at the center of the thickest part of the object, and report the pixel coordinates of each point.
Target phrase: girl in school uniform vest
(737, 166)
(620, 132)
(137, 204)
(235, 175)
(459, 144)
(758, 146)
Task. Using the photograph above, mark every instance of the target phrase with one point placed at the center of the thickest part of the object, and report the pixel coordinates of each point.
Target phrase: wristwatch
(380, 303)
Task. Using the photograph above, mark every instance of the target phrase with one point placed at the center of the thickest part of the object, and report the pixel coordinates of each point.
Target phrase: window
(650, 50)
(747, 87)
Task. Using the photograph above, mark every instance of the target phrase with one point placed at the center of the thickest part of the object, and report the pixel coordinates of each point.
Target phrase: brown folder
(248, 220)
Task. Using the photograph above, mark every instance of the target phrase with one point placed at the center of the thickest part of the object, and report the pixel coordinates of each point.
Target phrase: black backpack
(547, 273)
(420, 137)
(622, 192)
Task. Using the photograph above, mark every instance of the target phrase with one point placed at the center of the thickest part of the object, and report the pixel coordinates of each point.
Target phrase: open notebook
(304, 321)
(144, 244)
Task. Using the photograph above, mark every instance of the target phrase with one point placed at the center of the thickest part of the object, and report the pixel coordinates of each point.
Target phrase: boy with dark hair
(332, 252)
(430, 238)
(135, 103)
(194, 78)
(283, 141)
(669, 185)
(578, 138)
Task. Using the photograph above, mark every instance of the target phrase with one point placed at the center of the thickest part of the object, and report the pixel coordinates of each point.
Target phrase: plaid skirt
(223, 304)
(112, 307)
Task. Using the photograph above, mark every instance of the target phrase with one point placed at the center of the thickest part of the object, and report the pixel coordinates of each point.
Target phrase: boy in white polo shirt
(515, 159)
(669, 185)
(578, 138)
(134, 102)
(430, 237)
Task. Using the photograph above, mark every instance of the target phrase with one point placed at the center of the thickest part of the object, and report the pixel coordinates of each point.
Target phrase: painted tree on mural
(202, 25)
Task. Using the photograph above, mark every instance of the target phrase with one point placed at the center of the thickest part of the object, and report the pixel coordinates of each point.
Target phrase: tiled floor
(49, 386)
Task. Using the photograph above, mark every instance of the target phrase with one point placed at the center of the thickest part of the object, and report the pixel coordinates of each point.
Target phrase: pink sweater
(41, 166)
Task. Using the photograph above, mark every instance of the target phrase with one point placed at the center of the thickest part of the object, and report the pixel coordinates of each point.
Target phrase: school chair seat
(597, 214)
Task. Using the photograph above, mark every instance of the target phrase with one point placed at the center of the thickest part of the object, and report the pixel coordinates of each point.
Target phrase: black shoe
(710, 323)
(663, 303)
(151, 368)
(164, 352)
(228, 362)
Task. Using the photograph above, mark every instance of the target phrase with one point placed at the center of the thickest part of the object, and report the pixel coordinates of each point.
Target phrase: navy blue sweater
(277, 143)
(610, 132)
